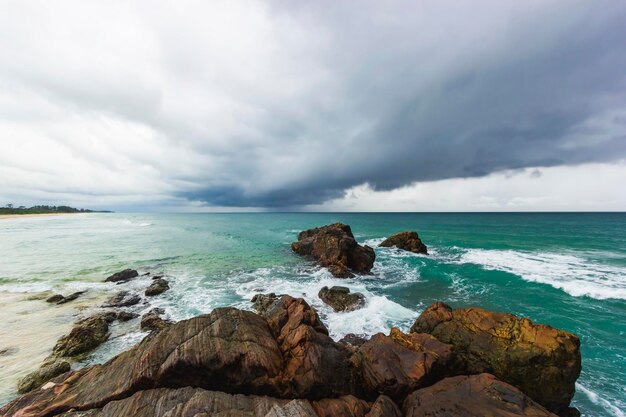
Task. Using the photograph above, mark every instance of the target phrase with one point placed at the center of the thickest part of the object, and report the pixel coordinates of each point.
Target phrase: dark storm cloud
(274, 104)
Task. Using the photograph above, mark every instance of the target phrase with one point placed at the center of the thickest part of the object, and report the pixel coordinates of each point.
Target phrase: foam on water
(572, 274)
(598, 400)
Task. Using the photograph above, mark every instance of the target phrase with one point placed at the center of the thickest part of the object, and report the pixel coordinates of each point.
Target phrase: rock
(157, 287)
(157, 276)
(152, 320)
(540, 360)
(345, 406)
(124, 275)
(262, 302)
(126, 316)
(384, 407)
(122, 299)
(352, 340)
(8, 351)
(408, 241)
(228, 350)
(294, 408)
(340, 298)
(42, 375)
(315, 365)
(86, 335)
(398, 364)
(55, 298)
(334, 247)
(472, 396)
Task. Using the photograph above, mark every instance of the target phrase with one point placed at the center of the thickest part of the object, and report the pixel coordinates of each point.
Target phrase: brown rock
(345, 406)
(121, 276)
(42, 375)
(398, 364)
(315, 365)
(472, 396)
(86, 335)
(54, 298)
(340, 298)
(152, 320)
(126, 316)
(542, 361)
(157, 287)
(384, 407)
(262, 302)
(334, 247)
(228, 350)
(408, 241)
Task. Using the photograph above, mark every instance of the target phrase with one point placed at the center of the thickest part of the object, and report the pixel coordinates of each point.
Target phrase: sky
(327, 106)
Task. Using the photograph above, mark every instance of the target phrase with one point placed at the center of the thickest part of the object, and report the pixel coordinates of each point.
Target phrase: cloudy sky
(274, 105)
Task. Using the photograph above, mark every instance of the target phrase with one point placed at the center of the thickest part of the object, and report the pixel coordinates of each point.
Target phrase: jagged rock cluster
(90, 332)
(281, 362)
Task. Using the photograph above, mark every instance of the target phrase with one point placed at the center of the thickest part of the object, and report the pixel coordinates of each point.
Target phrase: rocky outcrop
(540, 360)
(315, 365)
(60, 299)
(157, 287)
(334, 247)
(42, 375)
(122, 299)
(86, 335)
(126, 316)
(279, 363)
(398, 364)
(122, 276)
(262, 302)
(341, 299)
(152, 320)
(408, 241)
(472, 396)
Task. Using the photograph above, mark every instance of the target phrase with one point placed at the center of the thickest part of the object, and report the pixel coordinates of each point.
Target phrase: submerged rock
(408, 241)
(60, 299)
(472, 396)
(42, 375)
(398, 364)
(157, 287)
(86, 335)
(340, 298)
(123, 299)
(124, 275)
(540, 360)
(334, 247)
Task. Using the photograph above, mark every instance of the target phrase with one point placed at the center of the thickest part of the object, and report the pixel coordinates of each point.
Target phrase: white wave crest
(598, 400)
(572, 274)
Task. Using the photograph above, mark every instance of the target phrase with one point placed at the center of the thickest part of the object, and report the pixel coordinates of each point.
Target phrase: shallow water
(566, 270)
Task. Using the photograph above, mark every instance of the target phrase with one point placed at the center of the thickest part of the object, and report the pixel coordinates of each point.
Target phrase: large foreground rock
(341, 299)
(42, 375)
(398, 364)
(540, 360)
(472, 396)
(334, 247)
(408, 241)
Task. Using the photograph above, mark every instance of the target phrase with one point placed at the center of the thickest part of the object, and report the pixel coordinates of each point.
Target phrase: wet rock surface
(60, 299)
(408, 241)
(472, 396)
(42, 375)
(540, 360)
(122, 276)
(86, 335)
(334, 247)
(158, 286)
(123, 299)
(341, 299)
(153, 321)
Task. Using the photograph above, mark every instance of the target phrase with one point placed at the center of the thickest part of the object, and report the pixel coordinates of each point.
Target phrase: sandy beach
(15, 216)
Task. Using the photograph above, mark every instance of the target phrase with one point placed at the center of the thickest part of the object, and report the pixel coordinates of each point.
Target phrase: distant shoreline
(11, 216)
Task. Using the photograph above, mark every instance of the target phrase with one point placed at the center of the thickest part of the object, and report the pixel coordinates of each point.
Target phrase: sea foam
(572, 274)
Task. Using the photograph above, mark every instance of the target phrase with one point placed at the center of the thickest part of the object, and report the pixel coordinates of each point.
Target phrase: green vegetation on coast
(10, 209)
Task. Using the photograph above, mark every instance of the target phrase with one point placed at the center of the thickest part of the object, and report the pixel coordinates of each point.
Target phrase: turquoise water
(566, 270)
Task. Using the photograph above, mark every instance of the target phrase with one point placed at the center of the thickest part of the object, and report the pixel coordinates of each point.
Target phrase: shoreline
(13, 216)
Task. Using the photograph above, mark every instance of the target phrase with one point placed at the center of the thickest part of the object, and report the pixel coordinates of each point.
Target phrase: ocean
(567, 270)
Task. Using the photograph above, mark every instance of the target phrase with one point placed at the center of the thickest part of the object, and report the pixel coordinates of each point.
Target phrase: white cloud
(589, 187)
